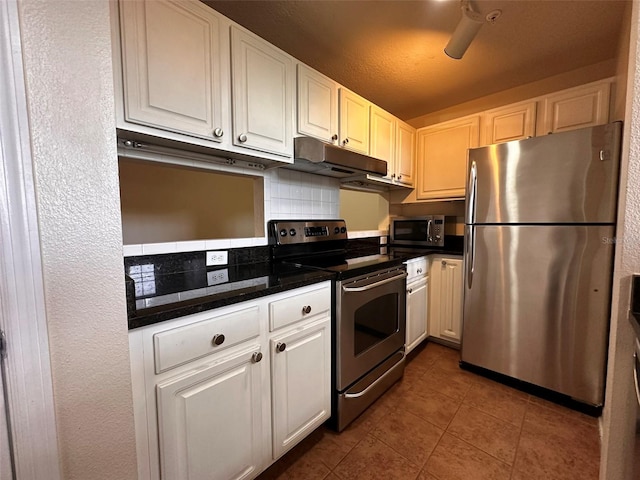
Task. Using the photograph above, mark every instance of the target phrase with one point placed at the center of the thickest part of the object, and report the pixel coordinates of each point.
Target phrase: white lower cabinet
(248, 384)
(300, 382)
(417, 301)
(196, 408)
(445, 295)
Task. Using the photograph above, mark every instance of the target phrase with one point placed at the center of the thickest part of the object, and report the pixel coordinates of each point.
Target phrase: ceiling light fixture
(465, 32)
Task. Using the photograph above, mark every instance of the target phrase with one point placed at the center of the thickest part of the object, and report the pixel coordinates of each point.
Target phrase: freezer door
(536, 305)
(569, 177)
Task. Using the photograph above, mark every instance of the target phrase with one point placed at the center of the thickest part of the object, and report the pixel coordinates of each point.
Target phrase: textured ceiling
(391, 52)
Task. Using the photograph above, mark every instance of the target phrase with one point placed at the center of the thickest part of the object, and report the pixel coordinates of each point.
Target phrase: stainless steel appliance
(369, 310)
(540, 226)
(425, 231)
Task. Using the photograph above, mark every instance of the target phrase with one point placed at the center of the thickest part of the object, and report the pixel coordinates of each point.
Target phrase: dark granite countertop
(164, 287)
(453, 245)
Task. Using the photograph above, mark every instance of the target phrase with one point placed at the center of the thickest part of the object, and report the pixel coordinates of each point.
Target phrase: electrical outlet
(217, 257)
(215, 277)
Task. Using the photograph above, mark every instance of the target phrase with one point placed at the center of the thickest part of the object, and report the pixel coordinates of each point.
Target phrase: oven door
(370, 323)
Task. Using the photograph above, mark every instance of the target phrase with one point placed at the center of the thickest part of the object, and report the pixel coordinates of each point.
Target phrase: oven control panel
(288, 232)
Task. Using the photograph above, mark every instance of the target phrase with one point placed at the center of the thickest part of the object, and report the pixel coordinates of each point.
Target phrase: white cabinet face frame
(174, 81)
(317, 105)
(263, 79)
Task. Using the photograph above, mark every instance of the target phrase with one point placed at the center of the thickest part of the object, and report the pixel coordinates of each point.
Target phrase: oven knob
(292, 232)
(283, 233)
(336, 230)
(343, 229)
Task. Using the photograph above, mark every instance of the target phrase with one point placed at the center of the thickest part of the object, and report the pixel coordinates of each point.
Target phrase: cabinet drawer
(295, 308)
(183, 344)
(417, 267)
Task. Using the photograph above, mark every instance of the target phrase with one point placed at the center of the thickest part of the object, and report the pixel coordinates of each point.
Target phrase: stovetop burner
(322, 244)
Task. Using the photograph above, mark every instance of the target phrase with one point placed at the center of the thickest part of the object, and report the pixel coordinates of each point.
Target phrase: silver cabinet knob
(444, 263)
(306, 309)
(393, 176)
(281, 347)
(410, 290)
(218, 132)
(419, 270)
(256, 357)
(217, 340)
(345, 141)
(399, 177)
(242, 137)
(334, 137)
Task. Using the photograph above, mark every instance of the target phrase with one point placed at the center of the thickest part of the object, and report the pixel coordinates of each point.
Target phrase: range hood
(314, 156)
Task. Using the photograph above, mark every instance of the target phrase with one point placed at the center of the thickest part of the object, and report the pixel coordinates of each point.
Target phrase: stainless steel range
(369, 308)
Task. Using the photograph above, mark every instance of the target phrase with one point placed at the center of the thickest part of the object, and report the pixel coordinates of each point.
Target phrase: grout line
(515, 458)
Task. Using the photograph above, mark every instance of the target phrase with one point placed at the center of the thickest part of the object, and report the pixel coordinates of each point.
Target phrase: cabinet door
(442, 158)
(405, 153)
(263, 81)
(445, 315)
(513, 122)
(382, 138)
(210, 421)
(578, 107)
(417, 300)
(354, 121)
(317, 105)
(172, 66)
(301, 383)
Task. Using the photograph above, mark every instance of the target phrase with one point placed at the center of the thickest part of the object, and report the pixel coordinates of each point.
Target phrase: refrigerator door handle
(470, 254)
(471, 189)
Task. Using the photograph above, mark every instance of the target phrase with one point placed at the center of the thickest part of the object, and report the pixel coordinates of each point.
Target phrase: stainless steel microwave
(427, 231)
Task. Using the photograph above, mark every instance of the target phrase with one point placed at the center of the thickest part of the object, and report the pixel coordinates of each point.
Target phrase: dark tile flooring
(444, 423)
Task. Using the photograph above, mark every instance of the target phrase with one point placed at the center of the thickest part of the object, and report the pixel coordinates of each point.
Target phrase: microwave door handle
(429, 230)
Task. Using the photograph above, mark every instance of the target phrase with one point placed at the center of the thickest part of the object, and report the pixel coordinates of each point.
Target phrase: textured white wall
(67, 56)
(619, 410)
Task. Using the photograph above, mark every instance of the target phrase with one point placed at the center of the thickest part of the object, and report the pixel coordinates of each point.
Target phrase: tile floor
(444, 423)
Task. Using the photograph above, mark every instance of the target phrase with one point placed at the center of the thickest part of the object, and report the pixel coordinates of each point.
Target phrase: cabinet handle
(334, 137)
(281, 347)
(218, 132)
(217, 340)
(399, 177)
(410, 290)
(444, 263)
(306, 310)
(419, 271)
(242, 137)
(393, 176)
(256, 357)
(345, 141)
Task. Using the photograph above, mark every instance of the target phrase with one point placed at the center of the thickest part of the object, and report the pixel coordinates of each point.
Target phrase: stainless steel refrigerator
(539, 242)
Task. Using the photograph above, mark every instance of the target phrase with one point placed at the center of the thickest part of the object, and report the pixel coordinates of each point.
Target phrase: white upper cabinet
(405, 153)
(317, 105)
(354, 121)
(578, 107)
(174, 67)
(383, 137)
(442, 157)
(263, 85)
(512, 122)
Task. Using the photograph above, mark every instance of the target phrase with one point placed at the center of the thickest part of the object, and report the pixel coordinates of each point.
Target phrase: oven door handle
(376, 284)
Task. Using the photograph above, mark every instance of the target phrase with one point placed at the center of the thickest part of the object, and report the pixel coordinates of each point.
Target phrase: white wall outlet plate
(217, 257)
(216, 277)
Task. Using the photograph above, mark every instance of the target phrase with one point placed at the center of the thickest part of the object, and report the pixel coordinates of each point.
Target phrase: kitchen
(74, 154)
